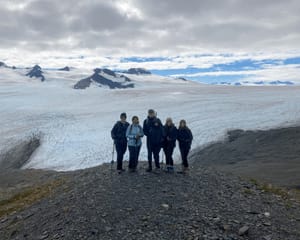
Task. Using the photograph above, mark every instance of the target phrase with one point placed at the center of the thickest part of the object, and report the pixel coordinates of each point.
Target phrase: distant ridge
(138, 71)
(105, 77)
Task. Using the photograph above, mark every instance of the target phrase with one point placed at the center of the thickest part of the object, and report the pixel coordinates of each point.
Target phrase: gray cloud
(169, 26)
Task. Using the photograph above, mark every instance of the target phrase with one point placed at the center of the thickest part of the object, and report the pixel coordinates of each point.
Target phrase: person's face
(169, 123)
(135, 121)
(151, 115)
(182, 124)
(123, 119)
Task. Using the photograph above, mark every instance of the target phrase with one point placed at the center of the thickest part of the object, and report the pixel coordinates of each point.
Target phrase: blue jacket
(132, 131)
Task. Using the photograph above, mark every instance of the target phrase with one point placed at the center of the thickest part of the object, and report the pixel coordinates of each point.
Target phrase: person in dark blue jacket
(118, 134)
(185, 138)
(170, 136)
(153, 129)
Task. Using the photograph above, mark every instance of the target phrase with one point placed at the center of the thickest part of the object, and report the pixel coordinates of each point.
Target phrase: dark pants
(134, 153)
(169, 149)
(121, 149)
(184, 151)
(153, 149)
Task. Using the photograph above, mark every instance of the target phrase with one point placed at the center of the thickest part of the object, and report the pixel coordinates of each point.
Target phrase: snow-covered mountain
(74, 126)
(105, 78)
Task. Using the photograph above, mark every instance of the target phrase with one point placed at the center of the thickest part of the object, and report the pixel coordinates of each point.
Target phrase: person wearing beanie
(153, 129)
(118, 134)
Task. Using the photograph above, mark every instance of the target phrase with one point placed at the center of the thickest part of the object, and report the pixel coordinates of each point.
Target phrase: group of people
(159, 137)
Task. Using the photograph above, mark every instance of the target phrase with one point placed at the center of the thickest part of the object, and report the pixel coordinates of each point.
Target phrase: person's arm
(113, 132)
(146, 128)
(173, 135)
(141, 134)
(191, 135)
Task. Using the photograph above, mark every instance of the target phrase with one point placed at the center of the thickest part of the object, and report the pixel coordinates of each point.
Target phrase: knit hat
(123, 115)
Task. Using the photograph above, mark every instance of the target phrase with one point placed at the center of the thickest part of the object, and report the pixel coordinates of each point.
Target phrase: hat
(151, 111)
(123, 115)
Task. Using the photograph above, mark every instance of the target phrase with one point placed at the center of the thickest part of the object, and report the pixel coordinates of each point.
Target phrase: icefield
(75, 125)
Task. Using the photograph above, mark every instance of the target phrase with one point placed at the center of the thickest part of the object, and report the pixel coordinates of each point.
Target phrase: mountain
(257, 83)
(66, 68)
(138, 71)
(36, 72)
(2, 64)
(182, 78)
(105, 78)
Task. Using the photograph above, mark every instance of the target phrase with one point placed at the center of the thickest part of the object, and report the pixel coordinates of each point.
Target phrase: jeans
(134, 152)
(120, 149)
(184, 151)
(153, 149)
(169, 149)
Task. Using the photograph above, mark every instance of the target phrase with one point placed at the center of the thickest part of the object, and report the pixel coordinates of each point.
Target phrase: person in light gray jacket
(134, 135)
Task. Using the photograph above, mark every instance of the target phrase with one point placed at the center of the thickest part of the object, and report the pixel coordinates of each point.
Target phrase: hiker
(170, 136)
(185, 138)
(153, 129)
(118, 134)
(134, 134)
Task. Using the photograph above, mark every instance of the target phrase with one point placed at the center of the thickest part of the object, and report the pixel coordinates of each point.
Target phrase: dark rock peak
(2, 64)
(138, 71)
(106, 71)
(109, 72)
(98, 78)
(36, 72)
(182, 78)
(66, 68)
(281, 83)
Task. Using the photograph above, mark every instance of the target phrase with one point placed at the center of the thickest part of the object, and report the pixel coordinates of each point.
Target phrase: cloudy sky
(206, 40)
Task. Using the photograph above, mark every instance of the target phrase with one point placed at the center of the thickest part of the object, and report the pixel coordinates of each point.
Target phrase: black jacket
(170, 136)
(118, 133)
(185, 137)
(155, 134)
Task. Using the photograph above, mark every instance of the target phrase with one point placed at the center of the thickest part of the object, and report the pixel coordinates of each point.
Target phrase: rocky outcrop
(18, 155)
(36, 72)
(66, 68)
(138, 71)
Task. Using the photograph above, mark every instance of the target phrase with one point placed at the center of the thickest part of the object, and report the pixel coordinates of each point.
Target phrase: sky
(207, 40)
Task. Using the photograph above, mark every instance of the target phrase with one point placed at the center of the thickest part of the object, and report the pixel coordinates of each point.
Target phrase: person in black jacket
(118, 134)
(170, 136)
(185, 138)
(153, 129)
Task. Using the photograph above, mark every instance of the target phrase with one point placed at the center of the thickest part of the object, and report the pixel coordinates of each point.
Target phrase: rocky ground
(97, 203)
(272, 156)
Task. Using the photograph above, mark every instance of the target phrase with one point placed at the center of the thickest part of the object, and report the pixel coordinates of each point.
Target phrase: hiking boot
(185, 170)
(119, 171)
(149, 170)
